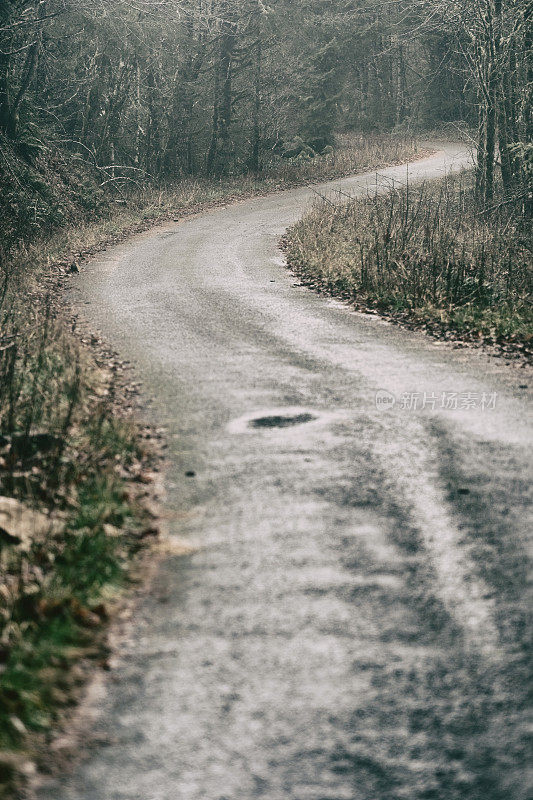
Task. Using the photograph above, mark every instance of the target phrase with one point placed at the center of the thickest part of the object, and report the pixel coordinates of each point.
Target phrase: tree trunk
(227, 47)
(220, 152)
(213, 147)
(490, 145)
(480, 161)
(255, 156)
(6, 117)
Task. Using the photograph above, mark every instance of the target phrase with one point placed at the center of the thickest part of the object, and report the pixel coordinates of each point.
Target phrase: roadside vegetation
(456, 257)
(47, 202)
(74, 477)
(425, 255)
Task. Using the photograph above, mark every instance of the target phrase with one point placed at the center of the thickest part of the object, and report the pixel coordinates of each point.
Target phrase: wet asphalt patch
(280, 421)
(280, 418)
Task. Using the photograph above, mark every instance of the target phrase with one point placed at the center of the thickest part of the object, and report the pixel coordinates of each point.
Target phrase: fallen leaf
(22, 526)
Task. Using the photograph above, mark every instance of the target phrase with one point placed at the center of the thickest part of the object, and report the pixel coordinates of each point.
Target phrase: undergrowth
(69, 521)
(427, 255)
(45, 200)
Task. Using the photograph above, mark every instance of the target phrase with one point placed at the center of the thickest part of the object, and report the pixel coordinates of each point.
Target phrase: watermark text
(434, 401)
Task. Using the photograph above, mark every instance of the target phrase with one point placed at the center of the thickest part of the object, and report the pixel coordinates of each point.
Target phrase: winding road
(351, 620)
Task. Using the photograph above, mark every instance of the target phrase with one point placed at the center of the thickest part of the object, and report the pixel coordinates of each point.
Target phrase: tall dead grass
(425, 251)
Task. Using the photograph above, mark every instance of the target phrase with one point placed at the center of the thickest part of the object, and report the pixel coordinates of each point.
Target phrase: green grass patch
(57, 594)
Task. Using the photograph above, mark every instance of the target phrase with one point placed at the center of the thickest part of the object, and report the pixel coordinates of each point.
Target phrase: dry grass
(55, 228)
(68, 454)
(353, 153)
(426, 254)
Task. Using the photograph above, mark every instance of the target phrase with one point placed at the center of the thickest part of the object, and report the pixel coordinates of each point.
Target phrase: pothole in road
(281, 421)
(278, 418)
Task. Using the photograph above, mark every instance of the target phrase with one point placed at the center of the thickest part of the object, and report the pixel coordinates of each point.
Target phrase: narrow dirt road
(351, 624)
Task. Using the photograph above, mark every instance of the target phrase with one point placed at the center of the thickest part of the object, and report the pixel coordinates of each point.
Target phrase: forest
(125, 93)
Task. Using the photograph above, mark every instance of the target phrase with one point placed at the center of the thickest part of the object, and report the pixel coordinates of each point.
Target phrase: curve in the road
(351, 624)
